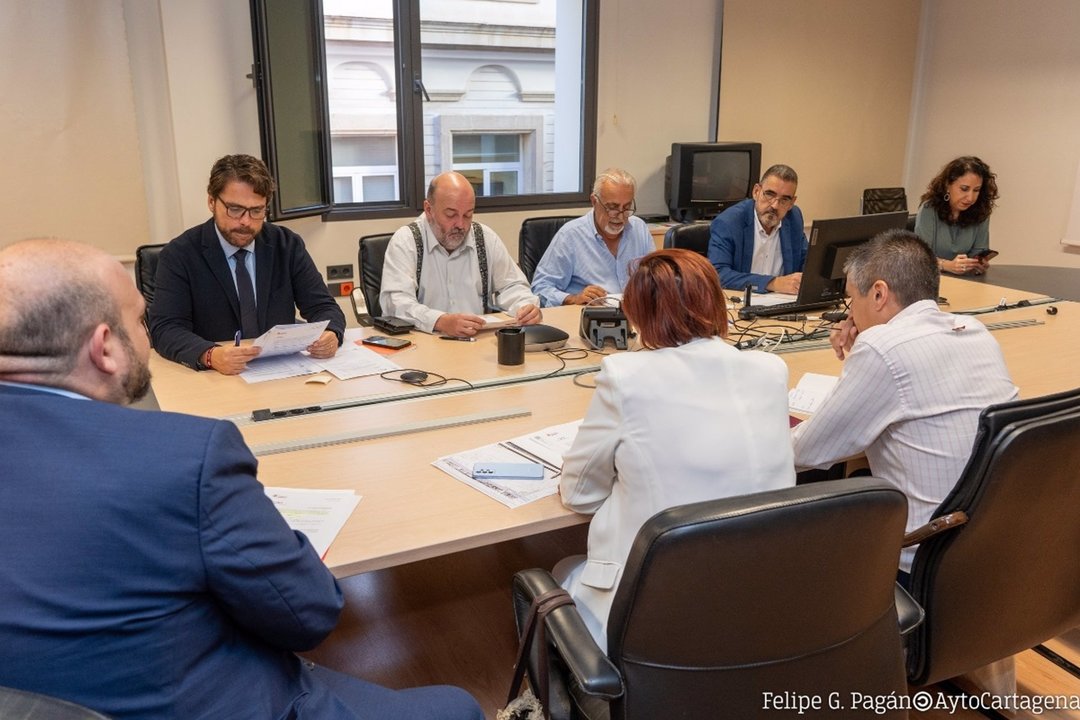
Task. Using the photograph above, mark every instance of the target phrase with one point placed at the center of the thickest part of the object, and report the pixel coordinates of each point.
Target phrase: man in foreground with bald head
(143, 571)
(443, 271)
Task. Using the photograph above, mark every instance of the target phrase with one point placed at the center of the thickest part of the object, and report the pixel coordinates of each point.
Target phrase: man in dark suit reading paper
(237, 275)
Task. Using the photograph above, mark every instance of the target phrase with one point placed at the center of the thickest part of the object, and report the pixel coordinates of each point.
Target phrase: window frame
(410, 139)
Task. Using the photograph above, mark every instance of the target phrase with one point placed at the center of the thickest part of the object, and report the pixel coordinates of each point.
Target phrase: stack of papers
(319, 514)
(546, 447)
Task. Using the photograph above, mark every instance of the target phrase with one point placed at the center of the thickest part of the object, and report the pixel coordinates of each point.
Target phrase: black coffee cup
(511, 345)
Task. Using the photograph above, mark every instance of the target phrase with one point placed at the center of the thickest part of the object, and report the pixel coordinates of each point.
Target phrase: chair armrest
(909, 614)
(594, 672)
(934, 527)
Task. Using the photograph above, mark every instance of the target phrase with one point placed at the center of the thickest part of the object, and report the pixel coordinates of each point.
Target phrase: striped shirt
(909, 396)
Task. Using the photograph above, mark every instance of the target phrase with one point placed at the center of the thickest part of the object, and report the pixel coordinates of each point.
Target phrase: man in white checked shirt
(914, 379)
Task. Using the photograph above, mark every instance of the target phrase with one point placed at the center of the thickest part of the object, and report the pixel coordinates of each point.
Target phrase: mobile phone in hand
(984, 254)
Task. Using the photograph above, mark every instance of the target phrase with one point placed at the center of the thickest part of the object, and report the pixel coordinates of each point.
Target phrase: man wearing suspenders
(443, 270)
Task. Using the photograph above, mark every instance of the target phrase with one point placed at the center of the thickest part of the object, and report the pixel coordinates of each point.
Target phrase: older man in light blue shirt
(591, 256)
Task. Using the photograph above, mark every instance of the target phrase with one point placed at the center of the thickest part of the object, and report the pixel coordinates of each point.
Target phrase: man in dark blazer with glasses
(236, 276)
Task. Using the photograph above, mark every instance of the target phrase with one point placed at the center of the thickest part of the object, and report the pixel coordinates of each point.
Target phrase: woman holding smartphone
(954, 218)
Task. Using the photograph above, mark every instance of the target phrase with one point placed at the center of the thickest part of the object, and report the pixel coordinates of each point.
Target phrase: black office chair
(883, 200)
(534, 238)
(32, 706)
(370, 256)
(690, 236)
(146, 260)
(1008, 578)
(721, 602)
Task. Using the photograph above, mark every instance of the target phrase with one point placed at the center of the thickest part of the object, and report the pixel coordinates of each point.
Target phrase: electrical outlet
(339, 272)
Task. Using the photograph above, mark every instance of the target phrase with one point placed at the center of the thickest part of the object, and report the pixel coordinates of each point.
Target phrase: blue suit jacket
(145, 573)
(195, 300)
(731, 246)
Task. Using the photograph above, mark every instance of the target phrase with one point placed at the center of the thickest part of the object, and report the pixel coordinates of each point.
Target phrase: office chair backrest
(32, 706)
(146, 261)
(534, 238)
(370, 256)
(1008, 579)
(689, 236)
(883, 200)
(723, 601)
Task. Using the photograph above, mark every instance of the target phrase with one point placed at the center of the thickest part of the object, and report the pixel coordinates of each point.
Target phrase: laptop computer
(831, 241)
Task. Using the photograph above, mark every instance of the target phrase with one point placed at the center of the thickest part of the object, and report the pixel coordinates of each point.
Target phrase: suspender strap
(481, 260)
(419, 253)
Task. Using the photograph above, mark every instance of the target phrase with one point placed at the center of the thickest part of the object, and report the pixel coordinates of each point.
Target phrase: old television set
(703, 179)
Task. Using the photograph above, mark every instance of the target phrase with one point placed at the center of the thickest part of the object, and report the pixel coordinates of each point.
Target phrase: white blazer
(669, 427)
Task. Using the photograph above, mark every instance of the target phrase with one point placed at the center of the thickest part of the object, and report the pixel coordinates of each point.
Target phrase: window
(379, 96)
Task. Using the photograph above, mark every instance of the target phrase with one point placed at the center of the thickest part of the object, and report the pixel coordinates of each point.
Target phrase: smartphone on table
(383, 341)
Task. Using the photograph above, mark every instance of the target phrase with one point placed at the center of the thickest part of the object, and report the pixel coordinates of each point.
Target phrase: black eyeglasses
(237, 211)
(614, 210)
(771, 197)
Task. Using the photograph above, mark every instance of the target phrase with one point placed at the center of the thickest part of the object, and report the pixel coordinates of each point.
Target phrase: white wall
(825, 86)
(1001, 79)
(71, 165)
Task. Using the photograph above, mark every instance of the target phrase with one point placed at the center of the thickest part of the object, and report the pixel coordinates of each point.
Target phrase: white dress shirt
(909, 396)
(767, 257)
(665, 428)
(449, 282)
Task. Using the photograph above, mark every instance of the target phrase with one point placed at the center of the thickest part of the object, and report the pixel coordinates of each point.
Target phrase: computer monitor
(831, 241)
(705, 178)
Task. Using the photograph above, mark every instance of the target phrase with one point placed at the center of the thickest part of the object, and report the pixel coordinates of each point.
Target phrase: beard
(135, 383)
(452, 240)
(769, 219)
(240, 238)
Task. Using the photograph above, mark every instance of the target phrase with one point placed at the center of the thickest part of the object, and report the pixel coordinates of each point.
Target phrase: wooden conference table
(412, 511)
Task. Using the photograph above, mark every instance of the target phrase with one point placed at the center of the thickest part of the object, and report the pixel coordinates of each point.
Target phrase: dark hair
(939, 186)
(900, 258)
(673, 297)
(242, 168)
(784, 172)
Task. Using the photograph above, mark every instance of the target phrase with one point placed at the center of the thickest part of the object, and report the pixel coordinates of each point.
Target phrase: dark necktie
(249, 320)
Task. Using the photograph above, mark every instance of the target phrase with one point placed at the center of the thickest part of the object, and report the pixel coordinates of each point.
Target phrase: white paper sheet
(319, 514)
(289, 339)
(770, 299)
(806, 397)
(353, 362)
(278, 368)
(491, 322)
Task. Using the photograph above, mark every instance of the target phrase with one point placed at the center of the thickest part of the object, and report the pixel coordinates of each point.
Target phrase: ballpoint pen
(454, 337)
(237, 338)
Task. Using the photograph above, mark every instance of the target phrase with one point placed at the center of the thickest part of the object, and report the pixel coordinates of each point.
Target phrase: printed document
(806, 397)
(289, 339)
(319, 514)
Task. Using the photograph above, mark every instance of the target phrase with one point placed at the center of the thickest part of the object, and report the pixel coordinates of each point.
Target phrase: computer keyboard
(750, 312)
